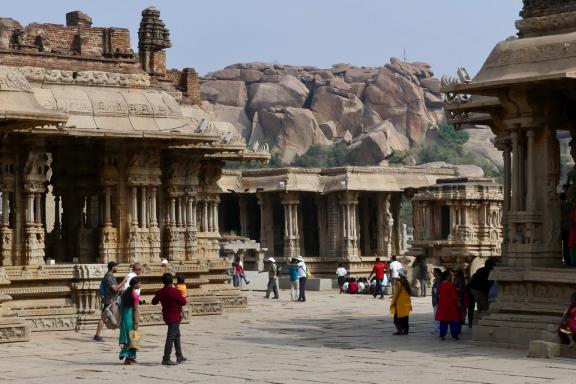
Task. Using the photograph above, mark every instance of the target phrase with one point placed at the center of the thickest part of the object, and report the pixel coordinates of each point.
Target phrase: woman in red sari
(447, 312)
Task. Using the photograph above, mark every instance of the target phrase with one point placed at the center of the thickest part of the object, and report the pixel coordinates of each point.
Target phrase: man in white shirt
(395, 267)
(136, 271)
(341, 273)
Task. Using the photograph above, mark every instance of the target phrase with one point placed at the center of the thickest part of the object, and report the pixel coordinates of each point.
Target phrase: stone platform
(331, 338)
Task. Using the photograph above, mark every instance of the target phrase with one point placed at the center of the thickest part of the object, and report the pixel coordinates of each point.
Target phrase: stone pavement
(330, 339)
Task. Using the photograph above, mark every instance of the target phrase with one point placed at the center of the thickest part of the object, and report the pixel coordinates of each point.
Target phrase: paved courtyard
(330, 339)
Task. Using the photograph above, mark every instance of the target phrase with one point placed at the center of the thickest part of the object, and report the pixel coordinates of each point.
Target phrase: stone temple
(104, 156)
(526, 93)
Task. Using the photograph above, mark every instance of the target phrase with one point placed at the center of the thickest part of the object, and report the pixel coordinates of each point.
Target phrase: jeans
(402, 324)
(454, 328)
(173, 338)
(272, 287)
(341, 281)
(294, 286)
(422, 287)
(236, 280)
(379, 288)
(302, 295)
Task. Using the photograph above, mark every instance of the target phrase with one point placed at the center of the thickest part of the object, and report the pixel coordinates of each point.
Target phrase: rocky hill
(376, 111)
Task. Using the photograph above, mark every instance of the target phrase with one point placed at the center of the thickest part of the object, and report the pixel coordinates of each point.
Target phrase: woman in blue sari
(129, 320)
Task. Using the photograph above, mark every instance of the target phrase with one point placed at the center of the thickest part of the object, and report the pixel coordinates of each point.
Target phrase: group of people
(126, 295)
(298, 275)
(376, 282)
(454, 297)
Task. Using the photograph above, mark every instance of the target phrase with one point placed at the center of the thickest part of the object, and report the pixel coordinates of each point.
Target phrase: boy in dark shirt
(172, 303)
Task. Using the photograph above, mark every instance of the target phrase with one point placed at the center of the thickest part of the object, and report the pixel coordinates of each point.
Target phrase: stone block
(543, 349)
(313, 284)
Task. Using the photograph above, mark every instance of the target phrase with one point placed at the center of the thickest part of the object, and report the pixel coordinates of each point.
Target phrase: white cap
(271, 259)
(164, 262)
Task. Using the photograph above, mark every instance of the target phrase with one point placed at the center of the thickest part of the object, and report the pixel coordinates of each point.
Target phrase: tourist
(423, 277)
(565, 210)
(129, 319)
(480, 286)
(346, 285)
(111, 290)
(238, 273)
(181, 285)
(459, 282)
(435, 285)
(172, 303)
(302, 278)
(567, 329)
(136, 272)
(272, 270)
(401, 305)
(379, 272)
(395, 266)
(235, 277)
(447, 312)
(341, 273)
(353, 286)
(362, 285)
(293, 275)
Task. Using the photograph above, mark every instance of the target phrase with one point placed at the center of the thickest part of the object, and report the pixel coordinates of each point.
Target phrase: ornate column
(385, 223)
(266, 223)
(134, 205)
(348, 202)
(244, 220)
(291, 202)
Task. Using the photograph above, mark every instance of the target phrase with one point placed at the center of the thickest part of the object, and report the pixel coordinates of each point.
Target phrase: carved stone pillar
(134, 206)
(385, 224)
(348, 203)
(266, 222)
(291, 228)
(395, 205)
(244, 217)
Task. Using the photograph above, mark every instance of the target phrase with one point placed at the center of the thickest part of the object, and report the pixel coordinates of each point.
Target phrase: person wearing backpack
(110, 291)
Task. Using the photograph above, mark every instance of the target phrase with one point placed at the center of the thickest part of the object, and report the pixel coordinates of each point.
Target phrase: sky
(211, 34)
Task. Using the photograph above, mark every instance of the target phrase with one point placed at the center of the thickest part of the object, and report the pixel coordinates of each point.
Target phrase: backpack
(308, 273)
(111, 315)
(102, 289)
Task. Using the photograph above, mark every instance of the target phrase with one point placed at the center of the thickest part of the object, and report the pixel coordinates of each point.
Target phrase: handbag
(135, 336)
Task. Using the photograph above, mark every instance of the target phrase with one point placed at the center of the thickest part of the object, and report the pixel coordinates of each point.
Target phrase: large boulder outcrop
(236, 116)
(224, 92)
(287, 92)
(290, 130)
(342, 102)
(341, 107)
(378, 144)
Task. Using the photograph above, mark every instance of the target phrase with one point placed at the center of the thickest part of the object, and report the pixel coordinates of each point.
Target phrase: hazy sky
(210, 34)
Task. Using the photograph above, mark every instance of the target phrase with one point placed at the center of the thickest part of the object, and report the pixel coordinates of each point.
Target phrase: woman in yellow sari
(401, 305)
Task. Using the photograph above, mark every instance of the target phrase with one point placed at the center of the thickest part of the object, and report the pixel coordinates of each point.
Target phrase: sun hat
(271, 259)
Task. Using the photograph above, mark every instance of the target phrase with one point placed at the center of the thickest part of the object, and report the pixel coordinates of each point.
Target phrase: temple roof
(523, 62)
(328, 180)
(18, 106)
